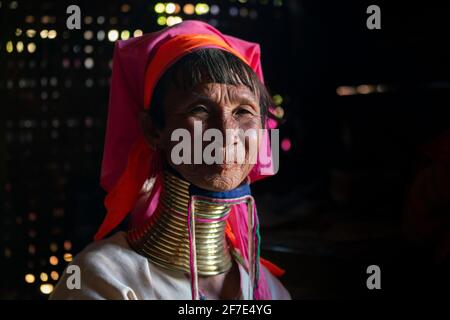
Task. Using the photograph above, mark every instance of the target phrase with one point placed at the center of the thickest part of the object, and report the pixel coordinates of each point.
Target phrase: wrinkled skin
(218, 106)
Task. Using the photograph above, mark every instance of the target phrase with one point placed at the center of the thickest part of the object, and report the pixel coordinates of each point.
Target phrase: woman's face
(213, 106)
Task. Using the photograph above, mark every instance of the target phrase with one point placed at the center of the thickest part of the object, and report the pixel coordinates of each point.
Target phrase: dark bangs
(209, 65)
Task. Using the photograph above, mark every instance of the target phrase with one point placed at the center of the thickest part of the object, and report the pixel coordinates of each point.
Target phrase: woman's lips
(226, 166)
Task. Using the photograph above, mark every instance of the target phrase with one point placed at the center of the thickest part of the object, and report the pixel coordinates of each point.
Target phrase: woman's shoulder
(114, 250)
(111, 256)
(107, 269)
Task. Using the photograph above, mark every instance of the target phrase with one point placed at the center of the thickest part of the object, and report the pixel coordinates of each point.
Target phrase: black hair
(207, 65)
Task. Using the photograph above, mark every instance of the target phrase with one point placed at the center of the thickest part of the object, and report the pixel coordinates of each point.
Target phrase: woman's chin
(217, 178)
(220, 182)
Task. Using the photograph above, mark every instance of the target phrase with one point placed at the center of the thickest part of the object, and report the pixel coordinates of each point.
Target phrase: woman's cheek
(251, 139)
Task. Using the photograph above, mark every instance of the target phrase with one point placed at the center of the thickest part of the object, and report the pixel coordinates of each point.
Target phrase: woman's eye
(243, 111)
(199, 109)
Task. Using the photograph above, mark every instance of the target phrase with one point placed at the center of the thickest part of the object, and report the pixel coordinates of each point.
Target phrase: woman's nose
(228, 126)
(223, 121)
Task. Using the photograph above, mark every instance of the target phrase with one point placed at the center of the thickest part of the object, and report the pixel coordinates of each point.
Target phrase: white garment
(110, 269)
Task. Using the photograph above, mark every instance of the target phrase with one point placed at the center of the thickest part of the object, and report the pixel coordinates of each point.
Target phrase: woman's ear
(150, 130)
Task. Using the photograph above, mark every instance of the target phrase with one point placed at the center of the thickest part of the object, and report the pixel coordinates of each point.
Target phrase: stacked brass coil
(164, 238)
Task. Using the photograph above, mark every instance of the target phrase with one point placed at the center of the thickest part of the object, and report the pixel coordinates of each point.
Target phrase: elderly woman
(194, 227)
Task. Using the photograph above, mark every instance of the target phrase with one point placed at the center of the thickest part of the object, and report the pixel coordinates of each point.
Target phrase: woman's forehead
(216, 93)
(221, 89)
(220, 92)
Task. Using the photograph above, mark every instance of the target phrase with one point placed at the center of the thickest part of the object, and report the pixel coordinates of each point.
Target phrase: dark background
(334, 207)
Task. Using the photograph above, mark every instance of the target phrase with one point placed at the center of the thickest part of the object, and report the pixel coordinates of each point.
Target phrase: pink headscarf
(128, 161)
